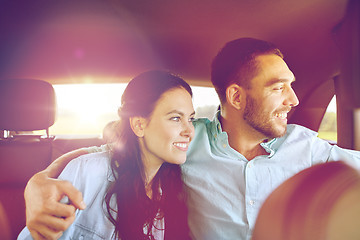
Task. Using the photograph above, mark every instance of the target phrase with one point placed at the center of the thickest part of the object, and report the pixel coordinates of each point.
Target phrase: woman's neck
(150, 172)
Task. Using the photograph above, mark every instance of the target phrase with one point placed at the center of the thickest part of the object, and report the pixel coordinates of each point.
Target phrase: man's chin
(281, 132)
(278, 133)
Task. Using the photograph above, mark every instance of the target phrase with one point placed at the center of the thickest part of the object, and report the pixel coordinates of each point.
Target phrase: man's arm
(46, 217)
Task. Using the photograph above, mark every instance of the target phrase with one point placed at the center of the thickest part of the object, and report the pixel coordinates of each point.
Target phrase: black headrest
(26, 105)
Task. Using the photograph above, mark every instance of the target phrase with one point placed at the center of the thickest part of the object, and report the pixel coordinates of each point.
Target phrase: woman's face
(169, 130)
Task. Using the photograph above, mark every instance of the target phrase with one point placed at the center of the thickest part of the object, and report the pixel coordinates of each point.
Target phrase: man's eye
(191, 119)
(279, 88)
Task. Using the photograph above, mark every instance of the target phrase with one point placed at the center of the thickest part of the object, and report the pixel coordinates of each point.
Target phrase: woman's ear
(138, 125)
(234, 95)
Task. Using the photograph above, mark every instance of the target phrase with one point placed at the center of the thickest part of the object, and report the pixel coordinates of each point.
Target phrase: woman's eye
(176, 119)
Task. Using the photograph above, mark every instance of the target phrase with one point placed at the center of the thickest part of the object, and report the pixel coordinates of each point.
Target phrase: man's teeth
(182, 145)
(281, 115)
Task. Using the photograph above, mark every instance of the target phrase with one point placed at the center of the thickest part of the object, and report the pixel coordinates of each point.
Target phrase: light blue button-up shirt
(226, 190)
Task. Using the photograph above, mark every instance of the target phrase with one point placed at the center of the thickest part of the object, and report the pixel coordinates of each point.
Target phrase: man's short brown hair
(235, 63)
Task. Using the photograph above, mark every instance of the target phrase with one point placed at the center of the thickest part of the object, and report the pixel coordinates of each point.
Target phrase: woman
(135, 190)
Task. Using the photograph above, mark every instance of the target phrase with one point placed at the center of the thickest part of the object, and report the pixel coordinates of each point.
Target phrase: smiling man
(270, 97)
(237, 159)
(234, 161)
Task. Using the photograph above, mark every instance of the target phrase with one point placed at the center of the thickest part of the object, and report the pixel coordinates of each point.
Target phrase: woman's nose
(188, 129)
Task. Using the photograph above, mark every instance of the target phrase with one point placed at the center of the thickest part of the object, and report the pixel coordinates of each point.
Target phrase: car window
(328, 127)
(85, 109)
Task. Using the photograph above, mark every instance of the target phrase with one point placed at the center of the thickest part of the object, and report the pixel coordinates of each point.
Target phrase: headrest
(26, 105)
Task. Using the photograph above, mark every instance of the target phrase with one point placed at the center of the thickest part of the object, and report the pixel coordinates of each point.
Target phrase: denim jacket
(91, 174)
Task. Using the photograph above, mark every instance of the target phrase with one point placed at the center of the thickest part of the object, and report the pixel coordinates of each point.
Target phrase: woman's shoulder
(88, 169)
(94, 162)
(103, 148)
(91, 162)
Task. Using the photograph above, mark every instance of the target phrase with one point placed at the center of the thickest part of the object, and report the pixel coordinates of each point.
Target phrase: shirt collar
(110, 175)
(268, 146)
(217, 125)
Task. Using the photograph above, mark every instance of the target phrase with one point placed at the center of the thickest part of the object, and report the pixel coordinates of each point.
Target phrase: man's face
(270, 97)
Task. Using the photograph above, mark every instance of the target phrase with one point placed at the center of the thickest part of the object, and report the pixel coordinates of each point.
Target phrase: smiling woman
(85, 109)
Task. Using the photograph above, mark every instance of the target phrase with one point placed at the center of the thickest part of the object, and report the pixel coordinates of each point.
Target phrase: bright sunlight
(85, 109)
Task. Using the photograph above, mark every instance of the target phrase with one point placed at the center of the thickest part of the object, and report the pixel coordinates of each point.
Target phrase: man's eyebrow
(276, 80)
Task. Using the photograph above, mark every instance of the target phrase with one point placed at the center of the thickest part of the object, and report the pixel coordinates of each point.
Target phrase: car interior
(45, 45)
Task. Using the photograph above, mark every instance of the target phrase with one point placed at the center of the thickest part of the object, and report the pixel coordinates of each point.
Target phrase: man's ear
(235, 95)
(138, 125)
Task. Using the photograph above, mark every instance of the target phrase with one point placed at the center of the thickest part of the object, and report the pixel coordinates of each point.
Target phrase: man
(234, 161)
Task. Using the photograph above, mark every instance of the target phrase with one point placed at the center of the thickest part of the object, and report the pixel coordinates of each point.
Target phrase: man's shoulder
(205, 123)
(300, 130)
(201, 121)
(203, 126)
(295, 133)
(202, 136)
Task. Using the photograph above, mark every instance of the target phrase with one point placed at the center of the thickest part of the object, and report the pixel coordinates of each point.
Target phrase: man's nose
(292, 99)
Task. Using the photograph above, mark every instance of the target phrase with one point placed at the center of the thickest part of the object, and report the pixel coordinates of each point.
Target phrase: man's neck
(242, 138)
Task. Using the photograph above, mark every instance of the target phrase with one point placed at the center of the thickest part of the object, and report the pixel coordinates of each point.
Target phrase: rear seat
(26, 105)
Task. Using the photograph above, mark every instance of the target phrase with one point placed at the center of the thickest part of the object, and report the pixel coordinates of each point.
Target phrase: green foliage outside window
(328, 128)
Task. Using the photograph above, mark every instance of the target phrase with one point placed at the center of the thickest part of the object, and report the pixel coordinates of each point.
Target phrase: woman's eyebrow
(179, 112)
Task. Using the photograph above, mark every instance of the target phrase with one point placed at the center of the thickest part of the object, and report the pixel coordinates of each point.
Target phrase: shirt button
(252, 202)
(249, 165)
(224, 145)
(215, 135)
